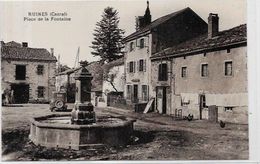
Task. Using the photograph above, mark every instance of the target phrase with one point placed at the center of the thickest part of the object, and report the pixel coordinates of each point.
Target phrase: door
(20, 93)
(135, 94)
(161, 99)
(202, 99)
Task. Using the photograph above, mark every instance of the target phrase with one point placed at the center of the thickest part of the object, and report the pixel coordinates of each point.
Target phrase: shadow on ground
(17, 146)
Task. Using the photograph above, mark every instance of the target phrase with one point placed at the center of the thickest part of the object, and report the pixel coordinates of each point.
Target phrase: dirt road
(157, 137)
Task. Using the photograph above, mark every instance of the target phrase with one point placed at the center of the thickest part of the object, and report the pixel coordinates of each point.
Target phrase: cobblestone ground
(157, 137)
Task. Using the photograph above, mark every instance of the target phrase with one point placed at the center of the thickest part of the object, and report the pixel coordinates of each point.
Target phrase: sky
(66, 36)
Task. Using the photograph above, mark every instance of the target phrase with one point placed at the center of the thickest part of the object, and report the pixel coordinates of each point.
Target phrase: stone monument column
(83, 111)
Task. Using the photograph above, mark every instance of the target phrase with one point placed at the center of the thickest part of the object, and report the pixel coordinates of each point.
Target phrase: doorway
(20, 93)
(202, 104)
(135, 94)
(161, 99)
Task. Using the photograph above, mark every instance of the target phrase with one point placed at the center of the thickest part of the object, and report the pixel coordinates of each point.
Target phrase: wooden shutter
(134, 66)
(165, 71)
(127, 67)
(144, 66)
(137, 66)
(127, 47)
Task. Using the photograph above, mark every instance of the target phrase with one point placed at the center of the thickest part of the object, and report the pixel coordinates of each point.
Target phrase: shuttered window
(40, 69)
(40, 90)
(163, 72)
(131, 67)
(141, 65)
(204, 70)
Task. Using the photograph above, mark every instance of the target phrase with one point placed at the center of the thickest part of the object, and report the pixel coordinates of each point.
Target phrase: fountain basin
(56, 131)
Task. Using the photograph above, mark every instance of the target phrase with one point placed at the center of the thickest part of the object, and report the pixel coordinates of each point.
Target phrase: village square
(174, 89)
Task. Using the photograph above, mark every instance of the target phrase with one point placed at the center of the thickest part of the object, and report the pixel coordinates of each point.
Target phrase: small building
(29, 73)
(65, 80)
(209, 70)
(113, 80)
(151, 37)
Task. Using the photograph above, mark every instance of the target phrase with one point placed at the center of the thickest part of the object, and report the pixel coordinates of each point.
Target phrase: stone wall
(216, 82)
(223, 91)
(220, 90)
(47, 80)
(138, 78)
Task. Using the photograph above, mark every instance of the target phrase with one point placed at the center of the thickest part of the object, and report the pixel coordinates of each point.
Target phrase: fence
(118, 101)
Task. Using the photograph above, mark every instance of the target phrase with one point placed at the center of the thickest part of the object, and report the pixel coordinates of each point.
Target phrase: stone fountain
(82, 128)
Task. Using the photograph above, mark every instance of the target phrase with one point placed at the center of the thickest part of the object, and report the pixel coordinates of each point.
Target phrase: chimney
(52, 51)
(24, 44)
(212, 25)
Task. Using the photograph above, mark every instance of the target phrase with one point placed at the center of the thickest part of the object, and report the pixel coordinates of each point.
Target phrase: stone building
(210, 69)
(114, 80)
(28, 72)
(151, 37)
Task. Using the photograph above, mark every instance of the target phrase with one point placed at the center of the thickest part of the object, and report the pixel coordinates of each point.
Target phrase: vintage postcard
(125, 80)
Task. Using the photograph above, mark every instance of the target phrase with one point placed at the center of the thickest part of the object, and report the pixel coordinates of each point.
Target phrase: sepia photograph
(124, 80)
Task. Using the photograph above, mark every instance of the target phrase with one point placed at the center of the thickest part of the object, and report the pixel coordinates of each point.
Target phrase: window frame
(131, 67)
(182, 75)
(225, 68)
(40, 70)
(20, 77)
(228, 108)
(42, 93)
(141, 69)
(162, 76)
(202, 71)
(141, 42)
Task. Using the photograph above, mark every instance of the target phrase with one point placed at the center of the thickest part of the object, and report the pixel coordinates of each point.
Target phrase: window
(163, 72)
(20, 72)
(144, 92)
(141, 65)
(132, 67)
(204, 70)
(228, 50)
(40, 69)
(141, 43)
(129, 91)
(228, 68)
(228, 109)
(40, 92)
(183, 71)
(131, 46)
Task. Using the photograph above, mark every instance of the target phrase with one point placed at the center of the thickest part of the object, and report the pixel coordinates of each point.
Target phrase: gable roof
(233, 36)
(155, 23)
(12, 51)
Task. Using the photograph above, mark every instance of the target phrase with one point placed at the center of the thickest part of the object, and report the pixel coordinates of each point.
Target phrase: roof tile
(25, 53)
